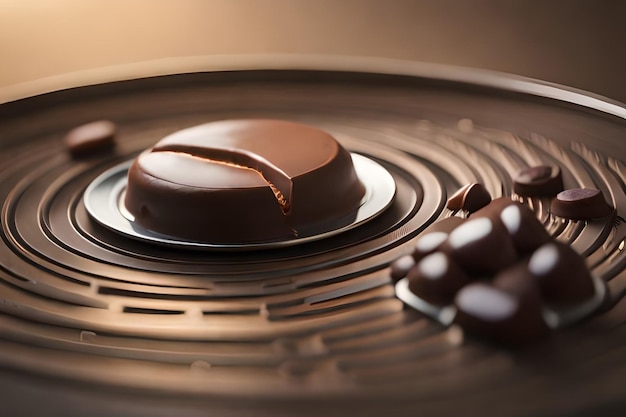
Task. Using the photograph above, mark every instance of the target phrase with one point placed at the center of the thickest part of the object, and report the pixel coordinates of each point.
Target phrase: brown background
(577, 43)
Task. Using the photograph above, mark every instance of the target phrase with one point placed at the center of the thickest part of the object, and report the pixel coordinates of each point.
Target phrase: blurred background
(577, 43)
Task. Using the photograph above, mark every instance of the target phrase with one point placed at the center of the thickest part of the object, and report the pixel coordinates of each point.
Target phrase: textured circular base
(314, 328)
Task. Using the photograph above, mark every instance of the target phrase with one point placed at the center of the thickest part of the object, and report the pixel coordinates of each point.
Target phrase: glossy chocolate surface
(437, 278)
(526, 231)
(481, 246)
(99, 324)
(580, 204)
(90, 138)
(241, 181)
(429, 241)
(502, 316)
(499, 268)
(539, 181)
(561, 274)
(469, 198)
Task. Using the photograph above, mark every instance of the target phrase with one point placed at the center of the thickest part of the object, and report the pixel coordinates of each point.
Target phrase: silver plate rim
(103, 201)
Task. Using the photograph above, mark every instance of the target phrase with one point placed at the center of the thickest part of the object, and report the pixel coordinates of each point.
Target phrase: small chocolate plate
(104, 199)
(555, 318)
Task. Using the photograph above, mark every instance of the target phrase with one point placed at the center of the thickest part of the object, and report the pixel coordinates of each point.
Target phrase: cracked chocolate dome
(240, 181)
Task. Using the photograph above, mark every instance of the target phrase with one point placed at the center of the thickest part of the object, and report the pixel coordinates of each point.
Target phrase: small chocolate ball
(429, 241)
(499, 315)
(481, 246)
(525, 229)
(401, 266)
(561, 273)
(437, 278)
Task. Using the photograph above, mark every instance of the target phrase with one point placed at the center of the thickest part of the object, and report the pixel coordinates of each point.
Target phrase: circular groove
(76, 297)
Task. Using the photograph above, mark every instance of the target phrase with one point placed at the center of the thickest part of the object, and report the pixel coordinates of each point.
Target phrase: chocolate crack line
(278, 181)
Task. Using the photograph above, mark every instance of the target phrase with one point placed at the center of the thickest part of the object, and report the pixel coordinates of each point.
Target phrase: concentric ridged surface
(290, 327)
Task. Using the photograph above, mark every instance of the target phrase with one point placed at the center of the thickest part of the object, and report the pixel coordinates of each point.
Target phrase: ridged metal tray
(99, 324)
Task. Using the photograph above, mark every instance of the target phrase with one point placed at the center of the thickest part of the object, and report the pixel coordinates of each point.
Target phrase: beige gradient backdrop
(577, 43)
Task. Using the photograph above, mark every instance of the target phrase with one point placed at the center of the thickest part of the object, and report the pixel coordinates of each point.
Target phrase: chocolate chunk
(470, 198)
(525, 229)
(520, 222)
(434, 236)
(499, 315)
(518, 281)
(539, 181)
(580, 204)
(561, 274)
(401, 266)
(481, 245)
(505, 244)
(437, 278)
(90, 138)
(429, 241)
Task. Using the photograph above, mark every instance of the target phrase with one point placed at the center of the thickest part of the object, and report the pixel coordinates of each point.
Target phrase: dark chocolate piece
(499, 315)
(243, 181)
(518, 281)
(437, 278)
(435, 236)
(481, 246)
(539, 181)
(469, 198)
(525, 229)
(401, 266)
(429, 241)
(561, 274)
(580, 204)
(503, 243)
(90, 138)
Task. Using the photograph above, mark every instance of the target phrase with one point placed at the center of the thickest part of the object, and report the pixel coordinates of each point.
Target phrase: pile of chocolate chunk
(496, 268)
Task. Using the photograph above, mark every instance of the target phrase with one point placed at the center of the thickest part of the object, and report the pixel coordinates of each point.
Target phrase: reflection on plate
(104, 202)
